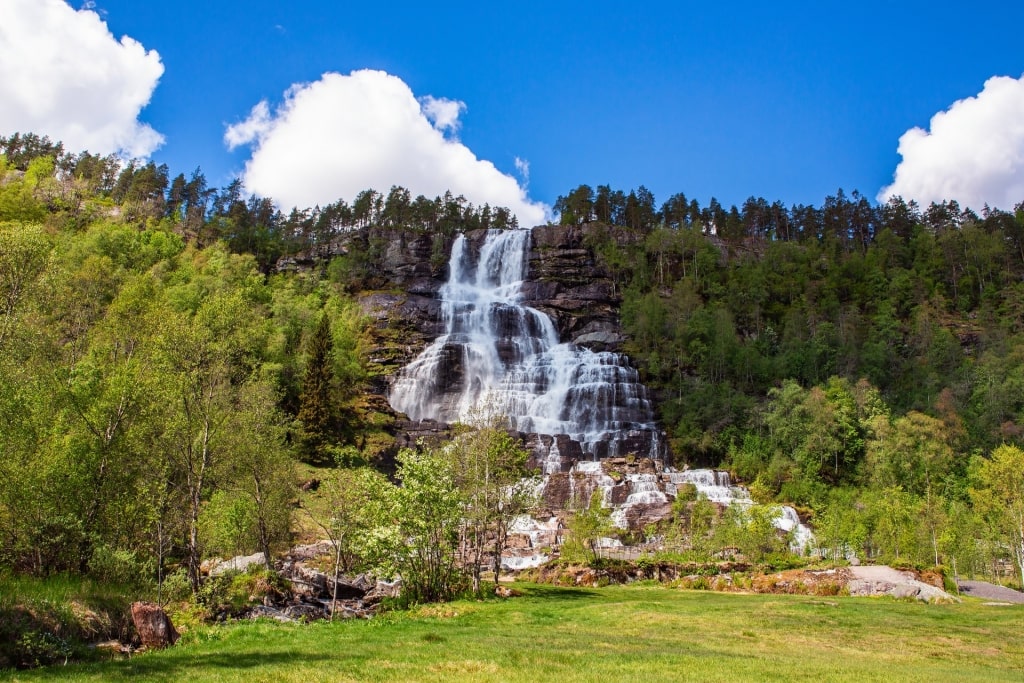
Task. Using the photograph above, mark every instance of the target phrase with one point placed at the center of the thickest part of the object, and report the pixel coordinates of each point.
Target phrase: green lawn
(608, 634)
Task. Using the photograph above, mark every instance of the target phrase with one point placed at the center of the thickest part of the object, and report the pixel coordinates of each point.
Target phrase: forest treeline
(863, 362)
(160, 379)
(253, 225)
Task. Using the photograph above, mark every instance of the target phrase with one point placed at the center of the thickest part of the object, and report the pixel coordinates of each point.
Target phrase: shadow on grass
(180, 665)
(558, 592)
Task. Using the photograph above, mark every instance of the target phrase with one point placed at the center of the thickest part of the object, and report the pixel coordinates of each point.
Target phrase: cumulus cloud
(443, 113)
(973, 152)
(343, 134)
(63, 74)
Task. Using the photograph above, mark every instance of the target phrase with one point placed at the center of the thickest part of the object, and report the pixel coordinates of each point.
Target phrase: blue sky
(729, 100)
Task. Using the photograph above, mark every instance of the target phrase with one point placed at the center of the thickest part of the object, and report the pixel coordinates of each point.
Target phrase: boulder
(383, 589)
(154, 626)
(240, 563)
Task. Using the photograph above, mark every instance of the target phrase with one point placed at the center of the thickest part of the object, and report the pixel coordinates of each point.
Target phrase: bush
(121, 567)
(232, 593)
(39, 648)
(176, 586)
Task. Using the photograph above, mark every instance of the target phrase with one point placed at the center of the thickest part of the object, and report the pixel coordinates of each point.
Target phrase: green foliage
(491, 475)
(998, 494)
(121, 566)
(228, 526)
(231, 593)
(24, 256)
(417, 528)
(914, 452)
(586, 528)
(316, 408)
(751, 529)
(48, 621)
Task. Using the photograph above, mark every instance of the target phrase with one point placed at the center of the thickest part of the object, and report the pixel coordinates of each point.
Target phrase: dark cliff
(395, 275)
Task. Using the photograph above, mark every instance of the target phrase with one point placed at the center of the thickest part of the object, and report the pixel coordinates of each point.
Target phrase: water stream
(499, 357)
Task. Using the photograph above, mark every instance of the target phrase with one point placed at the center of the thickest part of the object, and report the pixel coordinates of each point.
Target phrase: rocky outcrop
(567, 282)
(235, 564)
(886, 581)
(298, 589)
(409, 260)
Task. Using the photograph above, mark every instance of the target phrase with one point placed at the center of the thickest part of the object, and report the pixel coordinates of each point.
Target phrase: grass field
(610, 634)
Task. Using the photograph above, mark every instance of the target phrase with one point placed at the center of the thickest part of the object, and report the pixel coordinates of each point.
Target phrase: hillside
(170, 352)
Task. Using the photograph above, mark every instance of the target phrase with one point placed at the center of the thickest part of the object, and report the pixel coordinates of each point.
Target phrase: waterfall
(498, 357)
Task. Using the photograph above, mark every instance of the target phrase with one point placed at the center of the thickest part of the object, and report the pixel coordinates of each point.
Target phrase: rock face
(404, 271)
(154, 626)
(567, 282)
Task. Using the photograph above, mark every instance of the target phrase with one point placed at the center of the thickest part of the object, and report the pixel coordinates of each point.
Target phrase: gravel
(990, 591)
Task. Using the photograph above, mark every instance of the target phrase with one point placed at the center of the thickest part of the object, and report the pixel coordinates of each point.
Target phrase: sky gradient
(786, 102)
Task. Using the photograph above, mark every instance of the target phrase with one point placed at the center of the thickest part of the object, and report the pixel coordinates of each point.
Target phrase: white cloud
(258, 124)
(973, 152)
(63, 74)
(342, 134)
(523, 167)
(443, 113)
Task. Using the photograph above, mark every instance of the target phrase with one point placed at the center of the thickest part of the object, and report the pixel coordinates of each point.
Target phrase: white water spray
(500, 357)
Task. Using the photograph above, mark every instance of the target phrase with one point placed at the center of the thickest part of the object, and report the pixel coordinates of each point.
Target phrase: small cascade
(540, 536)
(587, 477)
(644, 490)
(717, 487)
(714, 484)
(789, 520)
(552, 463)
(498, 357)
(636, 498)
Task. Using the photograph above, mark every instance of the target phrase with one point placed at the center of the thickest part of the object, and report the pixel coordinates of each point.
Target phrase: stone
(306, 581)
(383, 589)
(348, 588)
(311, 551)
(268, 612)
(153, 625)
(305, 612)
(240, 563)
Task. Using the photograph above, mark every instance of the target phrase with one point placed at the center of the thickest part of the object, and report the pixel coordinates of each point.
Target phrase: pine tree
(316, 405)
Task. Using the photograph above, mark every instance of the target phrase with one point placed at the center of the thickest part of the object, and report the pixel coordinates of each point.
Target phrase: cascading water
(500, 357)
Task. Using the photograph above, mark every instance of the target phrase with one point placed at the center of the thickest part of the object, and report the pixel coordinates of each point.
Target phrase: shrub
(121, 567)
(39, 648)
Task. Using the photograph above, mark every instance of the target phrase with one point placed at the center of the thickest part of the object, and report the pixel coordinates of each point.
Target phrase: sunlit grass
(608, 634)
